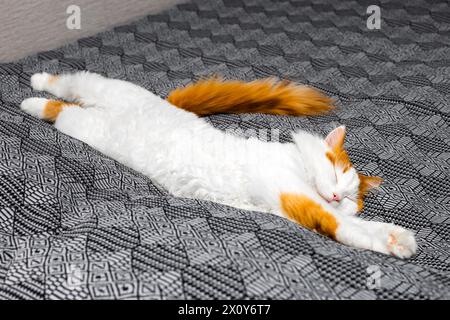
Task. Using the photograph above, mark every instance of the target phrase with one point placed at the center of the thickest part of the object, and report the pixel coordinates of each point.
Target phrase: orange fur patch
(365, 185)
(309, 214)
(330, 155)
(53, 108)
(343, 160)
(340, 158)
(215, 95)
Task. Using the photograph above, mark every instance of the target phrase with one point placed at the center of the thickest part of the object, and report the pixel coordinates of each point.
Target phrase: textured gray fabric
(76, 224)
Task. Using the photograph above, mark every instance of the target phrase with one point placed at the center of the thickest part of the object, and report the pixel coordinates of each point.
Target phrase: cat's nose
(335, 197)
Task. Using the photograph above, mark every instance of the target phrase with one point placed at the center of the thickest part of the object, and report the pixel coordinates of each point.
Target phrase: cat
(310, 181)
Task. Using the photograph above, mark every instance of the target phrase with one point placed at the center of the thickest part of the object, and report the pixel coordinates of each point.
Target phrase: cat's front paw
(399, 242)
(39, 81)
(34, 106)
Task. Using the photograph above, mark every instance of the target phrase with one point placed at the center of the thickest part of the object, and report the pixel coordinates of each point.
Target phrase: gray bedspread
(75, 224)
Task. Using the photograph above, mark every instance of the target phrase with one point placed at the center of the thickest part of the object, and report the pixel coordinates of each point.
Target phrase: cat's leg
(85, 124)
(90, 89)
(68, 86)
(45, 109)
(353, 231)
(380, 236)
(89, 125)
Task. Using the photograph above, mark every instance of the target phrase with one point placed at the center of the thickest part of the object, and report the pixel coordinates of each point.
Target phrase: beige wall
(30, 26)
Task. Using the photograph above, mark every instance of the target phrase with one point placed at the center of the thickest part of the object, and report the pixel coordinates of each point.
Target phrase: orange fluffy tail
(270, 96)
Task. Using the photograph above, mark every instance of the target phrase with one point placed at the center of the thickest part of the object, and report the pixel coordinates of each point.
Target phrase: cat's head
(348, 187)
(334, 176)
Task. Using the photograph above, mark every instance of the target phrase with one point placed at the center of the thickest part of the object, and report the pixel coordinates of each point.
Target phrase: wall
(30, 26)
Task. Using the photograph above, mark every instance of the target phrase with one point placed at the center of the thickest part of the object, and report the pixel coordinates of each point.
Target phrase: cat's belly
(190, 158)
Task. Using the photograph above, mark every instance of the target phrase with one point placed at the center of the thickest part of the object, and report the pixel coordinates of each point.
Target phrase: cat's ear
(368, 183)
(335, 139)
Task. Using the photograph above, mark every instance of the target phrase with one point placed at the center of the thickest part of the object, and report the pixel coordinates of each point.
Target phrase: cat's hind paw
(34, 106)
(40, 81)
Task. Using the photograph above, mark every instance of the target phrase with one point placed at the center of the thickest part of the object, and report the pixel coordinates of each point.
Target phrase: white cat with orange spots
(310, 181)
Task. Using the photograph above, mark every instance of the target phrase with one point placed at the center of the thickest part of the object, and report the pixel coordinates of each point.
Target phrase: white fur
(39, 80)
(190, 158)
(34, 106)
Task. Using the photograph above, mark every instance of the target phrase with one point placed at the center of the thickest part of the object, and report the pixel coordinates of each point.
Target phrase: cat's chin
(334, 204)
(347, 206)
